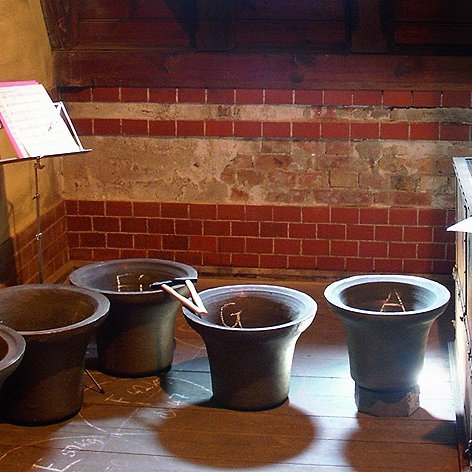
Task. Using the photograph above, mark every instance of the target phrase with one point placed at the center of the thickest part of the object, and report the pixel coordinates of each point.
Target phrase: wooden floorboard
(172, 423)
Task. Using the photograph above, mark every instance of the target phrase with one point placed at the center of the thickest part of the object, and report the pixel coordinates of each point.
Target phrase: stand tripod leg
(39, 234)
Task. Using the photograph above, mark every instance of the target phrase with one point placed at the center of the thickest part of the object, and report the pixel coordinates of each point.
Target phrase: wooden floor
(171, 423)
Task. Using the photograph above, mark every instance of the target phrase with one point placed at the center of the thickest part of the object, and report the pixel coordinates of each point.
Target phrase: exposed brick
(203, 243)
(400, 250)
(330, 263)
(259, 213)
(420, 234)
(79, 223)
(174, 210)
(403, 216)
(119, 240)
(160, 225)
(319, 214)
(230, 212)
(106, 126)
(216, 259)
(457, 98)
(133, 225)
(73, 239)
(134, 94)
(244, 228)
(440, 234)
(334, 130)
(394, 130)
(331, 231)
(248, 129)
(80, 254)
(373, 215)
(287, 213)
(189, 257)
(163, 95)
(432, 216)
(106, 94)
(157, 253)
(89, 207)
(316, 247)
(344, 248)
(343, 179)
(271, 129)
(355, 264)
(146, 209)
(337, 97)
(203, 211)
(191, 95)
(217, 228)
(118, 208)
(388, 266)
(373, 249)
(306, 130)
(277, 97)
(388, 233)
(367, 97)
(431, 250)
(454, 132)
(83, 126)
(76, 94)
(220, 96)
(147, 241)
(134, 127)
(287, 246)
(344, 215)
(274, 261)
(274, 230)
(218, 128)
(360, 232)
(426, 98)
(188, 227)
(397, 98)
(92, 240)
(106, 223)
(301, 262)
(424, 131)
(190, 128)
(365, 130)
(417, 266)
(231, 244)
(162, 128)
(260, 245)
(309, 97)
(175, 242)
(301, 230)
(249, 96)
(245, 260)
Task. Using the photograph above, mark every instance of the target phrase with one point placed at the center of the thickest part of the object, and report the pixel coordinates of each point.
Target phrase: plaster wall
(25, 55)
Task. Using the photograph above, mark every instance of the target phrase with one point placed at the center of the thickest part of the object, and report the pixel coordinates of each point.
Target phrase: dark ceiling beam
(61, 19)
(260, 70)
(215, 25)
(370, 26)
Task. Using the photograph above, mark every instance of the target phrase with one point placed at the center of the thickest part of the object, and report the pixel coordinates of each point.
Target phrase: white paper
(32, 121)
(464, 226)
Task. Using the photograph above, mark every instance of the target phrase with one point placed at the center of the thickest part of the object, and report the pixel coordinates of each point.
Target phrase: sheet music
(32, 121)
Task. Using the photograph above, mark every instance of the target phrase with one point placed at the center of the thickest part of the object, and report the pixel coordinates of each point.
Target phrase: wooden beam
(261, 70)
(215, 31)
(371, 21)
(61, 18)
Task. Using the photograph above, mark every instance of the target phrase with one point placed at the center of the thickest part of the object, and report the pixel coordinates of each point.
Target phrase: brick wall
(296, 179)
(19, 254)
(336, 238)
